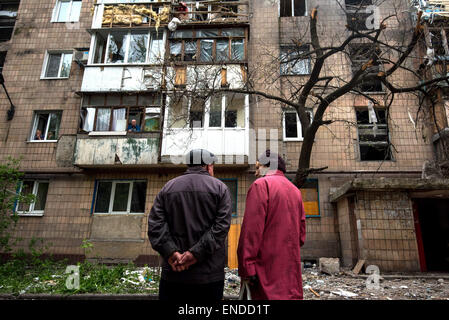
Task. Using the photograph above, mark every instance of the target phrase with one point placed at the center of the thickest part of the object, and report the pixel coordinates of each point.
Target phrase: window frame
(57, 8)
(112, 196)
(361, 62)
(142, 108)
(367, 126)
(308, 60)
(36, 121)
(214, 39)
(236, 180)
(298, 124)
(306, 8)
(47, 59)
(32, 212)
(129, 32)
(206, 114)
(318, 195)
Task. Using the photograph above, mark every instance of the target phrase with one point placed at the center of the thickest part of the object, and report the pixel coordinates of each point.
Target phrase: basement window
(293, 8)
(46, 126)
(39, 189)
(67, 11)
(57, 65)
(120, 196)
(374, 142)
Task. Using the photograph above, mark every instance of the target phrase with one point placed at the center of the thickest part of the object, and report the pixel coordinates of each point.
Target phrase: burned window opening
(360, 54)
(373, 134)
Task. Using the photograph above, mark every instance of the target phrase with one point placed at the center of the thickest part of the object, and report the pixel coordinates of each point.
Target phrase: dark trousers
(174, 291)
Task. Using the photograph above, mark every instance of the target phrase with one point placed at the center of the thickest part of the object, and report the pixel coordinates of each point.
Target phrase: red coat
(272, 233)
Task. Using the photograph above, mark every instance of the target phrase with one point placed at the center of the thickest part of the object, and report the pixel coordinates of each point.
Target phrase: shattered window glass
(100, 49)
(235, 111)
(292, 63)
(117, 47)
(222, 50)
(138, 48)
(181, 34)
(175, 50)
(206, 50)
(190, 50)
(196, 118)
(207, 33)
(237, 49)
(157, 48)
(233, 32)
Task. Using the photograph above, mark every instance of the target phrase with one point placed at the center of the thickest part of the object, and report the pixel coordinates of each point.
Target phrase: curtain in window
(119, 120)
(237, 49)
(222, 50)
(103, 118)
(89, 119)
(66, 64)
(54, 60)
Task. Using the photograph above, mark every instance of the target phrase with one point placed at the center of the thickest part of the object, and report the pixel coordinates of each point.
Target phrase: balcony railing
(212, 12)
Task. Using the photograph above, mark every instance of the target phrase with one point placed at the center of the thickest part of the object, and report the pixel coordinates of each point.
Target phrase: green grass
(33, 275)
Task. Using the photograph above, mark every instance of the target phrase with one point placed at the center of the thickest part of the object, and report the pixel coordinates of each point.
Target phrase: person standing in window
(38, 135)
(273, 230)
(133, 126)
(188, 225)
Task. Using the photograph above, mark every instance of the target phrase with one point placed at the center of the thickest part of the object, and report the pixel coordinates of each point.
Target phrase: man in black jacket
(188, 225)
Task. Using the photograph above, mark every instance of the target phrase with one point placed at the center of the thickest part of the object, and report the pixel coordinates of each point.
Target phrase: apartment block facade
(102, 120)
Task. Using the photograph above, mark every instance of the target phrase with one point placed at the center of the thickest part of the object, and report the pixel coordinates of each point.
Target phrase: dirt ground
(319, 286)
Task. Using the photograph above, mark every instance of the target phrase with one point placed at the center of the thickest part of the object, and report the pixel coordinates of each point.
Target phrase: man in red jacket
(272, 233)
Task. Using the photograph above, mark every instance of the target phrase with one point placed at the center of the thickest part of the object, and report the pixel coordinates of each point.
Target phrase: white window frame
(206, 117)
(57, 8)
(32, 212)
(298, 124)
(306, 13)
(46, 60)
(35, 122)
(127, 46)
(112, 195)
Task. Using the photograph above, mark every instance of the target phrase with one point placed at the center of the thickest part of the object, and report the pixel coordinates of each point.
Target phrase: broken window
(360, 54)
(357, 15)
(57, 65)
(211, 44)
(439, 44)
(120, 197)
(117, 112)
(373, 134)
(129, 47)
(46, 126)
(292, 63)
(67, 11)
(310, 198)
(293, 8)
(39, 189)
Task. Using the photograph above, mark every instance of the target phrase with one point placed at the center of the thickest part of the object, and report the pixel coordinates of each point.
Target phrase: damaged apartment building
(108, 98)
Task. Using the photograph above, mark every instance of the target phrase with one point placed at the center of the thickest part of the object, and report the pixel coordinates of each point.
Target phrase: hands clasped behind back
(180, 262)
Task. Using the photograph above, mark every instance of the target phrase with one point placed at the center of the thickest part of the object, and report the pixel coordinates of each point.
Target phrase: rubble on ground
(347, 286)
